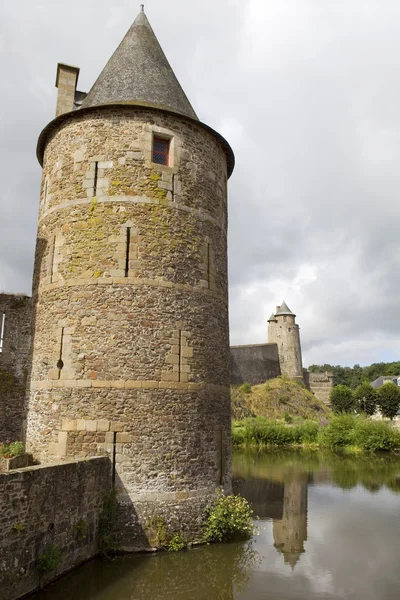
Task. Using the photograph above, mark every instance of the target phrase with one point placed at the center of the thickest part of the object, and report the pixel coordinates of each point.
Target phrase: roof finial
(142, 7)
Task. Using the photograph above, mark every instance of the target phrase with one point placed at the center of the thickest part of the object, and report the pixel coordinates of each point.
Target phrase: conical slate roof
(139, 73)
(272, 318)
(284, 310)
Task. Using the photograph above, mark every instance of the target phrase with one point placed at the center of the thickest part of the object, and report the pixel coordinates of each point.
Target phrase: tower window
(160, 151)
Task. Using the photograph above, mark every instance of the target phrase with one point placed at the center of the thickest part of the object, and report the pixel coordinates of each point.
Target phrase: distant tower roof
(139, 73)
(272, 318)
(284, 310)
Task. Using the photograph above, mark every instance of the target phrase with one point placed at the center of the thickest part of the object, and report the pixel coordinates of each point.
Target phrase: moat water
(328, 528)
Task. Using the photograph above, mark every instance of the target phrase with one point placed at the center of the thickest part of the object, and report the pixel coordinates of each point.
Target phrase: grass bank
(279, 398)
(342, 432)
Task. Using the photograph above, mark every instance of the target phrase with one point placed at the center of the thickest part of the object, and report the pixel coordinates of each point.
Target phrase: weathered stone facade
(55, 505)
(321, 384)
(131, 348)
(15, 343)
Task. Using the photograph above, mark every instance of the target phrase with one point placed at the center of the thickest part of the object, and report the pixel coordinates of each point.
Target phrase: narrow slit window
(160, 151)
(96, 177)
(3, 322)
(128, 245)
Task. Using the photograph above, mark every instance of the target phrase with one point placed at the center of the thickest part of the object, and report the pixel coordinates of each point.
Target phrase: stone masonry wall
(321, 384)
(55, 505)
(15, 313)
(131, 347)
(254, 364)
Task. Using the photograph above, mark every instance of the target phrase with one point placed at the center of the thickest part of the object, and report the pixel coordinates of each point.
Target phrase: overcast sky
(307, 92)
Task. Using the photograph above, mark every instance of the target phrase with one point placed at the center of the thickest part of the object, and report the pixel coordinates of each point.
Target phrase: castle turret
(131, 341)
(283, 331)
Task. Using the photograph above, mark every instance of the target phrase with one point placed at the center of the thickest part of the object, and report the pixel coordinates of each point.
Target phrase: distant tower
(131, 339)
(283, 331)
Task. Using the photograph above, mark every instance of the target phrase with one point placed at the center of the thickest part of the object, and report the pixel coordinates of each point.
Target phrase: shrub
(338, 433)
(11, 449)
(342, 399)
(389, 399)
(245, 388)
(48, 560)
(177, 543)
(365, 397)
(229, 518)
(238, 434)
(373, 436)
(287, 418)
(307, 432)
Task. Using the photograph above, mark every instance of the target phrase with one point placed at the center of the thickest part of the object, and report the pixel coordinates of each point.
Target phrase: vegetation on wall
(7, 381)
(48, 560)
(11, 449)
(108, 542)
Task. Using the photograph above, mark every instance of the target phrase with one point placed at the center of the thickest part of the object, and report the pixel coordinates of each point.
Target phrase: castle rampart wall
(321, 384)
(254, 363)
(56, 505)
(15, 342)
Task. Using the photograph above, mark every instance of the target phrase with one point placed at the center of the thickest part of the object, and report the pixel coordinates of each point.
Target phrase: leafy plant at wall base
(80, 530)
(48, 560)
(177, 543)
(11, 449)
(108, 538)
(229, 518)
(246, 388)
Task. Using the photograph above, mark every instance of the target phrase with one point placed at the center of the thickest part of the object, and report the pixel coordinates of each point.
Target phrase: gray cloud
(307, 94)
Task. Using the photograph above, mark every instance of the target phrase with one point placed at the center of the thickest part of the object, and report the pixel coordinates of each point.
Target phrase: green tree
(342, 399)
(389, 399)
(366, 398)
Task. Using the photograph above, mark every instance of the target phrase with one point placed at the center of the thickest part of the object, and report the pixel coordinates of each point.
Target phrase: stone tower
(131, 341)
(283, 331)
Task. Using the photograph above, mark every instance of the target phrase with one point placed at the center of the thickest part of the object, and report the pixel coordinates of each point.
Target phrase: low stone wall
(321, 385)
(48, 506)
(254, 363)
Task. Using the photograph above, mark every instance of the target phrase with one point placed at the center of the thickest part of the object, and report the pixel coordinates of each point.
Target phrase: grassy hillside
(279, 398)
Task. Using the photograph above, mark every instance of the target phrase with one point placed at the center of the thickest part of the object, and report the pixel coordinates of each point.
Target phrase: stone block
(68, 425)
(103, 425)
(80, 424)
(91, 425)
(116, 426)
(124, 438)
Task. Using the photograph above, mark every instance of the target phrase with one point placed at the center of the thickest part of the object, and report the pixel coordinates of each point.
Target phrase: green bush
(374, 436)
(365, 397)
(11, 449)
(245, 388)
(307, 432)
(338, 433)
(389, 399)
(229, 518)
(48, 560)
(342, 399)
(177, 543)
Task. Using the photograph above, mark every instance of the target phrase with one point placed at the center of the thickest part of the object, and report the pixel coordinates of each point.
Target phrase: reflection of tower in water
(290, 532)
